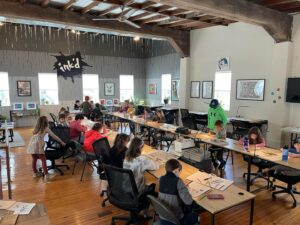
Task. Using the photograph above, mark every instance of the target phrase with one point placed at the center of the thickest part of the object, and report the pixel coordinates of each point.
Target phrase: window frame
(164, 90)
(227, 90)
(6, 90)
(40, 100)
(120, 90)
(83, 95)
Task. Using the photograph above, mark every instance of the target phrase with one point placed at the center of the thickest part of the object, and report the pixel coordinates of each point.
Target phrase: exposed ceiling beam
(155, 19)
(287, 6)
(276, 2)
(90, 6)
(45, 3)
(14, 11)
(147, 5)
(277, 24)
(69, 4)
(140, 16)
(107, 11)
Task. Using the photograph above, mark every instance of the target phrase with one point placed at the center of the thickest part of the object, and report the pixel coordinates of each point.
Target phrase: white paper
(161, 157)
(6, 204)
(197, 189)
(22, 208)
(210, 180)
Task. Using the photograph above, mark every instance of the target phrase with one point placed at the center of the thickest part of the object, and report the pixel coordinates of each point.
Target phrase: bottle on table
(285, 153)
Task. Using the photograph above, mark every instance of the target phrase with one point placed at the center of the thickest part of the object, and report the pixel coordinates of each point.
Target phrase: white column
(184, 82)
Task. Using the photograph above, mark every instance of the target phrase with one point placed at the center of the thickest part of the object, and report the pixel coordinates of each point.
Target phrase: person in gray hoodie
(175, 195)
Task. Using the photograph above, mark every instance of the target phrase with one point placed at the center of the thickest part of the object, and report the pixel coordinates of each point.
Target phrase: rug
(18, 141)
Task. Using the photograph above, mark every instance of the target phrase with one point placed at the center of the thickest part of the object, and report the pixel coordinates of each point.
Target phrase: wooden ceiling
(286, 6)
(140, 12)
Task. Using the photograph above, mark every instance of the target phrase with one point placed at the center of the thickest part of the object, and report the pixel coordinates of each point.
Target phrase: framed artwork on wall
(250, 89)
(18, 106)
(175, 90)
(223, 64)
(24, 88)
(109, 89)
(31, 106)
(116, 102)
(152, 89)
(207, 89)
(109, 102)
(102, 101)
(195, 89)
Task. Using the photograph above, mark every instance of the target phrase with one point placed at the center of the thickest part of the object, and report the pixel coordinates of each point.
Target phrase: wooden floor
(70, 201)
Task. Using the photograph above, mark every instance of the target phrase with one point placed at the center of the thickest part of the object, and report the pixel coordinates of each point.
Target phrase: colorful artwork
(175, 90)
(24, 88)
(152, 89)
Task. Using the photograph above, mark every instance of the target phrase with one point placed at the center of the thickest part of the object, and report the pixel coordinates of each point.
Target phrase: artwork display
(195, 89)
(109, 89)
(116, 101)
(152, 89)
(175, 90)
(18, 106)
(69, 66)
(109, 102)
(24, 88)
(223, 64)
(102, 101)
(207, 89)
(31, 106)
(251, 89)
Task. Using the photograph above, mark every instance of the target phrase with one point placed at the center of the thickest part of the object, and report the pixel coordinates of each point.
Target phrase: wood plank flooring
(70, 201)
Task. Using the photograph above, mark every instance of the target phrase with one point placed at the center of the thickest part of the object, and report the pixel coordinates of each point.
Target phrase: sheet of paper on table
(6, 204)
(22, 208)
(210, 180)
(197, 189)
(161, 157)
(217, 141)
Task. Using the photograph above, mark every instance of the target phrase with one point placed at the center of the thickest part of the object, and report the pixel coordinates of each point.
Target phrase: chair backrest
(237, 124)
(101, 148)
(169, 117)
(122, 191)
(162, 210)
(54, 118)
(184, 113)
(51, 124)
(62, 132)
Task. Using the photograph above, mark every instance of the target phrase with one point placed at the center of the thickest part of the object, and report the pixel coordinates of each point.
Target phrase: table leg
(149, 135)
(292, 137)
(212, 219)
(251, 211)
(8, 173)
(249, 172)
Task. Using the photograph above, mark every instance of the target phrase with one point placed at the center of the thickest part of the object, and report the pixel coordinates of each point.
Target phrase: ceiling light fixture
(136, 38)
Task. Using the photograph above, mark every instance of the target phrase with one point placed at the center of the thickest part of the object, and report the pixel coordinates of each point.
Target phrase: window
(223, 89)
(90, 86)
(48, 89)
(126, 87)
(4, 89)
(165, 87)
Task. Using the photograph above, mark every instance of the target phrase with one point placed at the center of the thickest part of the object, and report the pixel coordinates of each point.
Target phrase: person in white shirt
(139, 164)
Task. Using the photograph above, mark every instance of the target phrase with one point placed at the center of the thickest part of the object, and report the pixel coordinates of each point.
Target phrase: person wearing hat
(86, 107)
(215, 113)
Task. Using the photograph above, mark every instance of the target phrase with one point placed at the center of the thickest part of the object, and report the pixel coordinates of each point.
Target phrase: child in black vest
(175, 195)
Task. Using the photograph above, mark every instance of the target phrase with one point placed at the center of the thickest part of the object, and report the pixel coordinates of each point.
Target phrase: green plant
(2, 118)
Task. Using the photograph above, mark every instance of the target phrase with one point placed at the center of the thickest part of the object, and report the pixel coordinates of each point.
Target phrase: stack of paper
(21, 208)
(197, 189)
(161, 157)
(210, 180)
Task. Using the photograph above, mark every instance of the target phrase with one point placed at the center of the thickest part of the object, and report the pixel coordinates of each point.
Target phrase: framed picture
(109, 102)
(195, 89)
(109, 89)
(24, 88)
(31, 106)
(175, 90)
(223, 64)
(102, 101)
(116, 102)
(250, 89)
(207, 89)
(18, 106)
(152, 89)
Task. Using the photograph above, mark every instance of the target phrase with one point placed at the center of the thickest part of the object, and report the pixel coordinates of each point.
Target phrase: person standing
(215, 113)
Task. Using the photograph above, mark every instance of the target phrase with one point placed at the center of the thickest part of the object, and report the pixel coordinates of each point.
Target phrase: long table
(233, 195)
(268, 154)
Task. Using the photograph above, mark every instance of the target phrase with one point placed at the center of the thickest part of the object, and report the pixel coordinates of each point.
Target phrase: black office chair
(186, 119)
(239, 129)
(54, 118)
(288, 176)
(123, 193)
(163, 211)
(55, 151)
(86, 159)
(101, 149)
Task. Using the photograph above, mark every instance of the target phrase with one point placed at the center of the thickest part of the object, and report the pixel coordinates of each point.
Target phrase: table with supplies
(233, 195)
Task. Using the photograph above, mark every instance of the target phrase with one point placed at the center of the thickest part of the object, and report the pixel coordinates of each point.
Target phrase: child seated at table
(118, 151)
(139, 164)
(76, 128)
(217, 152)
(294, 152)
(98, 131)
(255, 137)
(175, 195)
(62, 120)
(159, 116)
(76, 105)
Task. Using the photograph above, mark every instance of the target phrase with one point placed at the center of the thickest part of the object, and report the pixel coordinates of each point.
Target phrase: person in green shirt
(215, 113)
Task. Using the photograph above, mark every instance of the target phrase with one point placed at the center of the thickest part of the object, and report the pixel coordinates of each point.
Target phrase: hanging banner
(69, 66)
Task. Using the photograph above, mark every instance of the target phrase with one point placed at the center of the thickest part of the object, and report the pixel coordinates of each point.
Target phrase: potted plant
(166, 100)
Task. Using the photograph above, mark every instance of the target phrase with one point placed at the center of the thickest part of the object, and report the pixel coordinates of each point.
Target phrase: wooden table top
(37, 216)
(268, 154)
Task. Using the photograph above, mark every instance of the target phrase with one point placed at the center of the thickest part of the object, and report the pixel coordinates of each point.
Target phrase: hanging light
(73, 31)
(136, 38)
(1, 24)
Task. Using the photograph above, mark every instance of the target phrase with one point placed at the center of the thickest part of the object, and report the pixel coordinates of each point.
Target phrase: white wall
(253, 54)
